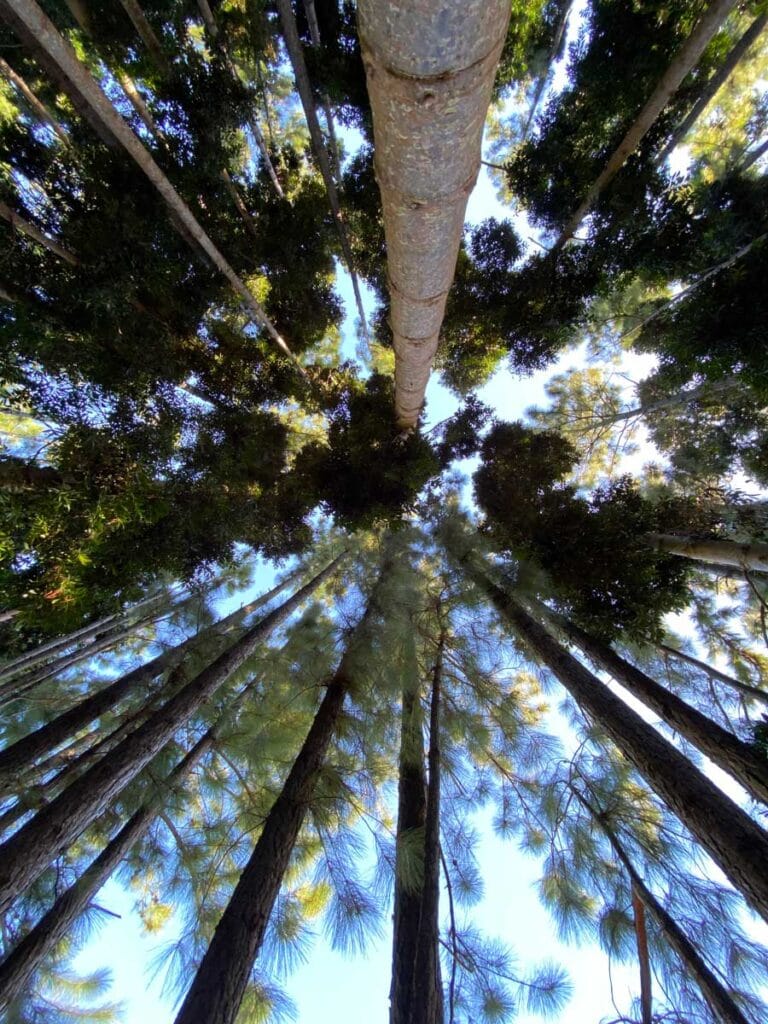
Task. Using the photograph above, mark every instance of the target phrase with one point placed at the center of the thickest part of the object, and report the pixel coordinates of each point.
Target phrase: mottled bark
(26, 854)
(740, 760)
(430, 69)
(722, 552)
(684, 62)
(734, 841)
(56, 55)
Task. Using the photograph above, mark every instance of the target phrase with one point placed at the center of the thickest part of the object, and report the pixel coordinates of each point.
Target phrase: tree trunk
(740, 760)
(734, 841)
(221, 980)
(716, 674)
(714, 992)
(17, 475)
(304, 87)
(752, 157)
(27, 956)
(682, 398)
(20, 756)
(716, 81)
(723, 552)
(58, 58)
(641, 937)
(26, 854)
(333, 146)
(34, 104)
(554, 54)
(25, 227)
(684, 62)
(430, 69)
(146, 34)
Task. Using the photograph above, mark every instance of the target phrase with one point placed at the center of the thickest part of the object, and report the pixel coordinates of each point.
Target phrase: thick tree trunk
(26, 854)
(716, 674)
(684, 62)
(304, 88)
(723, 552)
(741, 761)
(20, 756)
(716, 81)
(28, 955)
(221, 980)
(734, 841)
(55, 54)
(430, 69)
(34, 104)
(714, 992)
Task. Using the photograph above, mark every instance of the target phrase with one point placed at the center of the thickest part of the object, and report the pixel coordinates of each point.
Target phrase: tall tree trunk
(641, 938)
(304, 87)
(716, 81)
(717, 996)
(734, 841)
(20, 756)
(716, 674)
(26, 854)
(333, 146)
(8, 480)
(218, 987)
(703, 394)
(554, 53)
(723, 552)
(34, 104)
(752, 157)
(55, 54)
(430, 69)
(684, 62)
(740, 760)
(146, 34)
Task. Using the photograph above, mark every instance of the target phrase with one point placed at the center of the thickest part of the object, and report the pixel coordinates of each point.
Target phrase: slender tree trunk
(713, 86)
(740, 760)
(554, 54)
(25, 227)
(641, 937)
(146, 34)
(26, 854)
(58, 58)
(34, 104)
(724, 552)
(682, 398)
(752, 157)
(21, 756)
(430, 69)
(684, 62)
(734, 841)
(303, 85)
(221, 980)
(716, 674)
(717, 996)
(314, 32)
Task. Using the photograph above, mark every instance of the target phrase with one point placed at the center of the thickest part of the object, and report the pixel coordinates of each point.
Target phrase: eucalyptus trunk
(430, 70)
(21, 756)
(739, 759)
(734, 841)
(25, 856)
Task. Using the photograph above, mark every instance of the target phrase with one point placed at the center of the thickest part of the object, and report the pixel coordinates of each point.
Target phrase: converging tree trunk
(29, 851)
(218, 988)
(722, 552)
(715, 673)
(35, 105)
(430, 69)
(734, 841)
(734, 756)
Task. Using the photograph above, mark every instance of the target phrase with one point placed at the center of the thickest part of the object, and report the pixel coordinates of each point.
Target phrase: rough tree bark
(430, 69)
(29, 851)
(683, 63)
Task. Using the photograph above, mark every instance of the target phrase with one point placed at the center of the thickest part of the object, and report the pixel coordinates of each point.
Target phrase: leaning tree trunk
(753, 557)
(25, 856)
(713, 86)
(218, 988)
(734, 841)
(21, 756)
(739, 759)
(684, 62)
(715, 993)
(56, 55)
(430, 69)
(716, 674)
(38, 108)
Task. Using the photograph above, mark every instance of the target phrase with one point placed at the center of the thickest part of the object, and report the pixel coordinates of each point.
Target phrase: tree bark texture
(29, 851)
(741, 761)
(55, 54)
(734, 841)
(722, 552)
(684, 62)
(430, 69)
